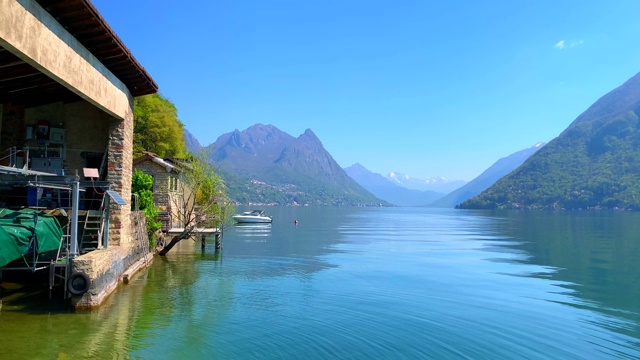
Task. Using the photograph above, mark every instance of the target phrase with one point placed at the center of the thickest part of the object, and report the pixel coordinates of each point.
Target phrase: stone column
(119, 171)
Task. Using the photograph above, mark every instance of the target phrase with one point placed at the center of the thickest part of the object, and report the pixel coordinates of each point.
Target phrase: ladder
(141, 233)
(93, 228)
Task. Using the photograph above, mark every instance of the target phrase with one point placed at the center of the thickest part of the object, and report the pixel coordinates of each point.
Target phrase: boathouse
(67, 84)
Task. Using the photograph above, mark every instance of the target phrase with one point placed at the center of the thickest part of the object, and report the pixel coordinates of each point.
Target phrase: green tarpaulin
(17, 230)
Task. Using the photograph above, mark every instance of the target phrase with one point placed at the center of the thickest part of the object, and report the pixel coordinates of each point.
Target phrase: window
(173, 184)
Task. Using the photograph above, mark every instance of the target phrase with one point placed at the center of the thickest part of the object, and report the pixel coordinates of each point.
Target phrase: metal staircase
(93, 227)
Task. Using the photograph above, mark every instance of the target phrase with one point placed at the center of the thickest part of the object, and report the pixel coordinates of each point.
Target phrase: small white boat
(255, 216)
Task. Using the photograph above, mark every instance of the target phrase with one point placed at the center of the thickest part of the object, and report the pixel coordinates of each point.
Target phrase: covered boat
(255, 216)
(27, 232)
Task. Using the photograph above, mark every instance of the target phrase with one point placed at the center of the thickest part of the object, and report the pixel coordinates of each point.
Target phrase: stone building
(168, 189)
(67, 84)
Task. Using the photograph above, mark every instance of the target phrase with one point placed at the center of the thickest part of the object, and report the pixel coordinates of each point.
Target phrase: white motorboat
(255, 216)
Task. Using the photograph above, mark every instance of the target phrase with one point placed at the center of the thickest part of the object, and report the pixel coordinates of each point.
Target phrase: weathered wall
(86, 132)
(119, 172)
(32, 34)
(86, 129)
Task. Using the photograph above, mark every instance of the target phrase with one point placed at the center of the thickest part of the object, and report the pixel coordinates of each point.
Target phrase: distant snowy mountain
(437, 184)
(389, 191)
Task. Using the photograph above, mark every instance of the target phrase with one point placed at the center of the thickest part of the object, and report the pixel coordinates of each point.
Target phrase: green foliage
(153, 225)
(304, 191)
(157, 128)
(204, 202)
(591, 165)
(142, 185)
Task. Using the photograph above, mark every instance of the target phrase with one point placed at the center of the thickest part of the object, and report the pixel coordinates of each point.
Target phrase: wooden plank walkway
(206, 231)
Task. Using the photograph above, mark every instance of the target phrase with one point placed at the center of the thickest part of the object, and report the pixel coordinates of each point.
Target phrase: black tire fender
(78, 283)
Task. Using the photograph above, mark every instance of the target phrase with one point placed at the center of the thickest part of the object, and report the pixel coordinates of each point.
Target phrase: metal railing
(13, 153)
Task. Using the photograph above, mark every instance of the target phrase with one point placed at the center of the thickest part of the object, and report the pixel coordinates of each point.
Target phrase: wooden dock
(196, 231)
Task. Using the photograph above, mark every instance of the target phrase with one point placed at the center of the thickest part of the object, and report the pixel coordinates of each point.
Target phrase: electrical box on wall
(56, 135)
(42, 132)
(28, 135)
(43, 129)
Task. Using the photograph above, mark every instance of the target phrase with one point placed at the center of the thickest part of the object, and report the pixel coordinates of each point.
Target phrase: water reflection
(181, 301)
(369, 283)
(253, 232)
(594, 256)
(175, 306)
(44, 330)
(157, 300)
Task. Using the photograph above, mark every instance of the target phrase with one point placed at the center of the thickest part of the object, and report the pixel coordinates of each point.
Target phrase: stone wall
(119, 172)
(107, 267)
(160, 182)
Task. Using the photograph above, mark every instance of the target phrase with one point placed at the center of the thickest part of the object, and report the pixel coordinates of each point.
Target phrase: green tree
(202, 202)
(157, 128)
(142, 186)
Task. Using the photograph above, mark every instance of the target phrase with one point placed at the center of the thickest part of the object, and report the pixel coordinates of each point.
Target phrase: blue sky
(426, 88)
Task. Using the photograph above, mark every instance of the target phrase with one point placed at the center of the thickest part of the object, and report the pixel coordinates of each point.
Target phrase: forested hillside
(496, 171)
(594, 163)
(157, 128)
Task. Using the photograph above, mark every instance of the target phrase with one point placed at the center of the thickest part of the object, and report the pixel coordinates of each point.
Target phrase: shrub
(142, 185)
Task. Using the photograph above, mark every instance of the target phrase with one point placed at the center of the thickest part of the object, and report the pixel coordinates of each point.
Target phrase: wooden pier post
(218, 242)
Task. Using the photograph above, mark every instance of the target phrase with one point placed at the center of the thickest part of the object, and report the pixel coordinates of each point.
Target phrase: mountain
(496, 171)
(193, 145)
(263, 164)
(437, 184)
(386, 190)
(594, 163)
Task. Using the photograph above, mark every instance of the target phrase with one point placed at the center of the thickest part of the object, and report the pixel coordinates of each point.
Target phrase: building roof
(22, 83)
(149, 156)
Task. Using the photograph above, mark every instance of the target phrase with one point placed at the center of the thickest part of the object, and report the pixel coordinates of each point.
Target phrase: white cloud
(575, 43)
(564, 44)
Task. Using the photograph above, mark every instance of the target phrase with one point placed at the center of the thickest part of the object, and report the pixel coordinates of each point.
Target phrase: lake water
(367, 283)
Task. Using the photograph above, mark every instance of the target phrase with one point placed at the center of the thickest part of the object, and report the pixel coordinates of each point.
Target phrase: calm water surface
(367, 283)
